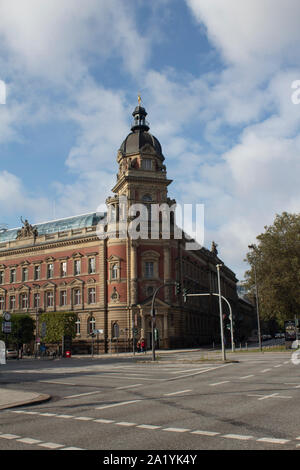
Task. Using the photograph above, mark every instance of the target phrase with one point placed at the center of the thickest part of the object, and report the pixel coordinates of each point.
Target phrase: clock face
(6, 316)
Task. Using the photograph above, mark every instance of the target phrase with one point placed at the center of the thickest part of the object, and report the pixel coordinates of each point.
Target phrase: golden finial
(139, 99)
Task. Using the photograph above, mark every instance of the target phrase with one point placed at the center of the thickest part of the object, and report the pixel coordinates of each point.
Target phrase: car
(12, 354)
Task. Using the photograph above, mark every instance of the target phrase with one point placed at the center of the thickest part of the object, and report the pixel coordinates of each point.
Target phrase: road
(179, 402)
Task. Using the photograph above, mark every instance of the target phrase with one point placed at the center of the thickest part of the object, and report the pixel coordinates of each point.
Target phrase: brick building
(64, 265)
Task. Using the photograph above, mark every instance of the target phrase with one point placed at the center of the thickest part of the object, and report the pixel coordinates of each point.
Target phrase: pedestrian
(138, 346)
(142, 345)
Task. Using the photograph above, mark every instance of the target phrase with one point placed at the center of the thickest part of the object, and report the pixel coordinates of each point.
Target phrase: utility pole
(252, 247)
(218, 266)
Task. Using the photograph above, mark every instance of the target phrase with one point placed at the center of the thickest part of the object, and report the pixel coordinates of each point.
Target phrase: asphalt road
(179, 402)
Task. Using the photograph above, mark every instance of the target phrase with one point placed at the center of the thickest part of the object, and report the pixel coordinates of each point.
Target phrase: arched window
(77, 323)
(114, 271)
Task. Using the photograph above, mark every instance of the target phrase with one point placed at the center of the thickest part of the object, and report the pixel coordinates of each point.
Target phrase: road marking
(105, 421)
(148, 426)
(128, 386)
(238, 436)
(47, 414)
(56, 382)
(51, 445)
(219, 383)
(176, 393)
(205, 433)
(273, 440)
(176, 429)
(246, 376)
(83, 394)
(84, 418)
(280, 365)
(9, 436)
(116, 404)
(65, 416)
(197, 373)
(29, 440)
(264, 397)
(188, 370)
(125, 423)
(71, 448)
(265, 370)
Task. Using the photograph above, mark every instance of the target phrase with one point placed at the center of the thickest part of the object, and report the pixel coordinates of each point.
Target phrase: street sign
(6, 327)
(98, 332)
(6, 316)
(2, 353)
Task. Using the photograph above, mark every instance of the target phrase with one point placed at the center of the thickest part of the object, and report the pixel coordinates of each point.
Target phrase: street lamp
(252, 247)
(218, 266)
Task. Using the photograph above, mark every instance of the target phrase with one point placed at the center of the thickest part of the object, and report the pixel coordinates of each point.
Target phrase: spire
(139, 115)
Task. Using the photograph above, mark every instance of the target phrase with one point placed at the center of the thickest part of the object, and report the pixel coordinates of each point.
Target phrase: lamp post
(218, 266)
(252, 247)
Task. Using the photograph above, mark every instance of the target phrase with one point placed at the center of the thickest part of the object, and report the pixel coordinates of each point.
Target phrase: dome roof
(136, 140)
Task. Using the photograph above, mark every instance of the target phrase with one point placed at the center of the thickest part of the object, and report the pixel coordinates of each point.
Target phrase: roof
(58, 225)
(135, 141)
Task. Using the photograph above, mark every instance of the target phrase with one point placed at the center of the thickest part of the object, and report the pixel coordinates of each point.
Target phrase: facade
(65, 265)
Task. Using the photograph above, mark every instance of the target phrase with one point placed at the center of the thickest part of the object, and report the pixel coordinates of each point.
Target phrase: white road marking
(273, 440)
(219, 383)
(84, 418)
(188, 370)
(65, 416)
(56, 382)
(51, 445)
(264, 397)
(279, 365)
(196, 373)
(9, 436)
(128, 386)
(83, 394)
(29, 440)
(176, 393)
(247, 376)
(47, 414)
(71, 448)
(265, 370)
(176, 429)
(105, 421)
(148, 426)
(116, 404)
(205, 433)
(238, 436)
(125, 423)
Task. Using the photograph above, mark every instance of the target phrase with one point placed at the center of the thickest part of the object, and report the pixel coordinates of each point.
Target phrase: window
(49, 299)
(36, 300)
(25, 274)
(1, 277)
(77, 323)
(63, 269)
(77, 297)
(92, 295)
(91, 326)
(24, 300)
(2, 303)
(149, 269)
(13, 275)
(63, 297)
(114, 271)
(77, 267)
(37, 272)
(50, 269)
(92, 265)
(147, 164)
(12, 302)
(149, 290)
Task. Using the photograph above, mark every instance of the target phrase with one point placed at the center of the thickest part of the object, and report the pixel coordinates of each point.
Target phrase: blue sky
(214, 76)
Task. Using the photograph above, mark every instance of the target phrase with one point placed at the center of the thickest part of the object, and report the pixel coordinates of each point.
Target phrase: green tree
(22, 330)
(276, 260)
(58, 324)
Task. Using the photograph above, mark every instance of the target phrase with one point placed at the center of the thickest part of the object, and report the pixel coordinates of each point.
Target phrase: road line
(47, 414)
(29, 440)
(51, 445)
(219, 383)
(247, 376)
(71, 448)
(197, 373)
(265, 370)
(56, 382)
(105, 421)
(188, 370)
(148, 426)
(238, 436)
(83, 394)
(116, 404)
(176, 393)
(125, 423)
(9, 436)
(273, 440)
(84, 418)
(65, 416)
(129, 386)
(205, 433)
(280, 365)
(176, 429)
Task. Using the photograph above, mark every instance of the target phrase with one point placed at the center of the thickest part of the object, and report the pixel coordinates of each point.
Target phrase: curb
(39, 399)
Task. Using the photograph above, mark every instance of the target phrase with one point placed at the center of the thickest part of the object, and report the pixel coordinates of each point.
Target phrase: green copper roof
(54, 226)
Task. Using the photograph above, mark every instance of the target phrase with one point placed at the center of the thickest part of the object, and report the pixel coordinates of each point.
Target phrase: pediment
(76, 282)
(158, 302)
(49, 285)
(77, 255)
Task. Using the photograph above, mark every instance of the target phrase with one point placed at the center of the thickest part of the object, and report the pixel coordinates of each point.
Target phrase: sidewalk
(12, 398)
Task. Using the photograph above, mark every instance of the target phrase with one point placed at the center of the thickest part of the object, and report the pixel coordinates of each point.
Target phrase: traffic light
(178, 288)
(185, 291)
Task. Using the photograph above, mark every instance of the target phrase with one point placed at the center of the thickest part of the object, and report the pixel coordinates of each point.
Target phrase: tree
(22, 330)
(276, 260)
(58, 324)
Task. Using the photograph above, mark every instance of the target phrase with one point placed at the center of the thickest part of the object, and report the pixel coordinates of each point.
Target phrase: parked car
(12, 354)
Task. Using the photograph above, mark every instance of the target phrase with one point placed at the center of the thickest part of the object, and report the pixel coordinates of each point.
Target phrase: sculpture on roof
(214, 248)
(27, 230)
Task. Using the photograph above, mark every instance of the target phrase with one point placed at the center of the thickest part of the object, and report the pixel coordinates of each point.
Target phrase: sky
(215, 77)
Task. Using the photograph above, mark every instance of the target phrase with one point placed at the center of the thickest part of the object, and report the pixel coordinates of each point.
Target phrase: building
(66, 265)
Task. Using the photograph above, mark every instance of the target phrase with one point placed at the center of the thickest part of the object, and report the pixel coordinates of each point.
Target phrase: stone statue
(27, 230)
(214, 248)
